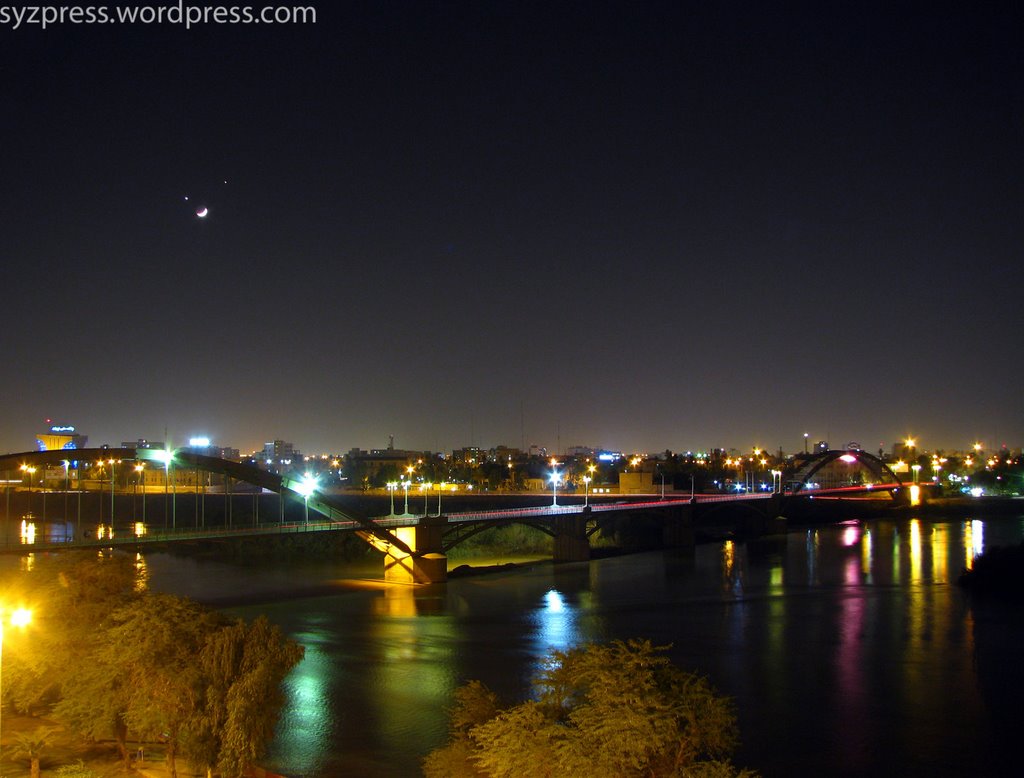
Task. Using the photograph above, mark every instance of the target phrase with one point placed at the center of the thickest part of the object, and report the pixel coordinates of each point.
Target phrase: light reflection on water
(851, 636)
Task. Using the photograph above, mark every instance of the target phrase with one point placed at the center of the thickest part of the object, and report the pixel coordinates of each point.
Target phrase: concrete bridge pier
(571, 543)
(767, 520)
(427, 562)
(677, 530)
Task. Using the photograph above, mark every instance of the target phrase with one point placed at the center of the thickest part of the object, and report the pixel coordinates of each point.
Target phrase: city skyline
(807, 441)
(640, 226)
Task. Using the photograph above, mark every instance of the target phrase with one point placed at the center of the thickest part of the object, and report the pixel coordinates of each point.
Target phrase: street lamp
(405, 484)
(20, 617)
(916, 469)
(67, 465)
(30, 471)
(111, 463)
(554, 488)
(139, 468)
(586, 491)
(391, 488)
(306, 487)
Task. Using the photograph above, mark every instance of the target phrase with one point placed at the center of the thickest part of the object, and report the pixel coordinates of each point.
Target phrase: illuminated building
(60, 437)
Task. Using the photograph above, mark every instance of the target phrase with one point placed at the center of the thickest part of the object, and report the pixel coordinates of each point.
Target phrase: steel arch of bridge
(183, 458)
(876, 466)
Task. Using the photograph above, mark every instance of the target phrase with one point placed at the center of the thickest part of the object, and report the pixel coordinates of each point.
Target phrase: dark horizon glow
(635, 226)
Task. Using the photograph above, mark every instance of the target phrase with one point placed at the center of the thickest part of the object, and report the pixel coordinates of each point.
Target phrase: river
(848, 649)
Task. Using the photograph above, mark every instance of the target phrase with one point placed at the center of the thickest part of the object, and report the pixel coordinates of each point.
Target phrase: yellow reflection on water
(915, 495)
(974, 541)
(141, 573)
(865, 554)
(940, 554)
(728, 558)
(28, 563)
(915, 549)
(398, 601)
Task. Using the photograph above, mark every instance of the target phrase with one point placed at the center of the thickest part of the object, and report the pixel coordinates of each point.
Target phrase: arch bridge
(415, 547)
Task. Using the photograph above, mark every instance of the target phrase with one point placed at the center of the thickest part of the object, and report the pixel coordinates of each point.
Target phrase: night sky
(633, 225)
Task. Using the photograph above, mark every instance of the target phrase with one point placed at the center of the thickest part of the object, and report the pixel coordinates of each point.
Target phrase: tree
(30, 746)
(72, 595)
(620, 709)
(151, 645)
(242, 667)
(113, 659)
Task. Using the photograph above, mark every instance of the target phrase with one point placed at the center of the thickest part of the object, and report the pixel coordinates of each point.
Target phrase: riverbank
(65, 748)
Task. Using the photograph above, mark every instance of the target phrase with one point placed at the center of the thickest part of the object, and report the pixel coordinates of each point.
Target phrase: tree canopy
(621, 709)
(109, 659)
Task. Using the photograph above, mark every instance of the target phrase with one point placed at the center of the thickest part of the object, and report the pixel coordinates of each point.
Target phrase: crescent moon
(201, 213)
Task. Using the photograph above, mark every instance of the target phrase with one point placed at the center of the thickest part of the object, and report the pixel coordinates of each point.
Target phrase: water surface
(848, 649)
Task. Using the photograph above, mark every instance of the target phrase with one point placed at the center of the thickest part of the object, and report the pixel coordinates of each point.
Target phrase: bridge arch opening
(842, 469)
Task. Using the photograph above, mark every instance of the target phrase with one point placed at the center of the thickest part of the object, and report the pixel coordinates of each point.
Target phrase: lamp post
(67, 466)
(586, 491)
(440, 488)
(167, 457)
(405, 485)
(111, 463)
(20, 617)
(391, 488)
(30, 471)
(916, 469)
(306, 487)
(554, 488)
(139, 468)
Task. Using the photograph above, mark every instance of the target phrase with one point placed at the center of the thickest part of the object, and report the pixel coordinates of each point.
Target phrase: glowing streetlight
(916, 469)
(167, 457)
(139, 468)
(307, 486)
(20, 617)
(405, 485)
(391, 488)
(30, 471)
(111, 462)
(586, 491)
(554, 488)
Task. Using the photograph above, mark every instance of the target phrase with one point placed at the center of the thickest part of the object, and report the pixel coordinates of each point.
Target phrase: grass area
(503, 543)
(64, 749)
